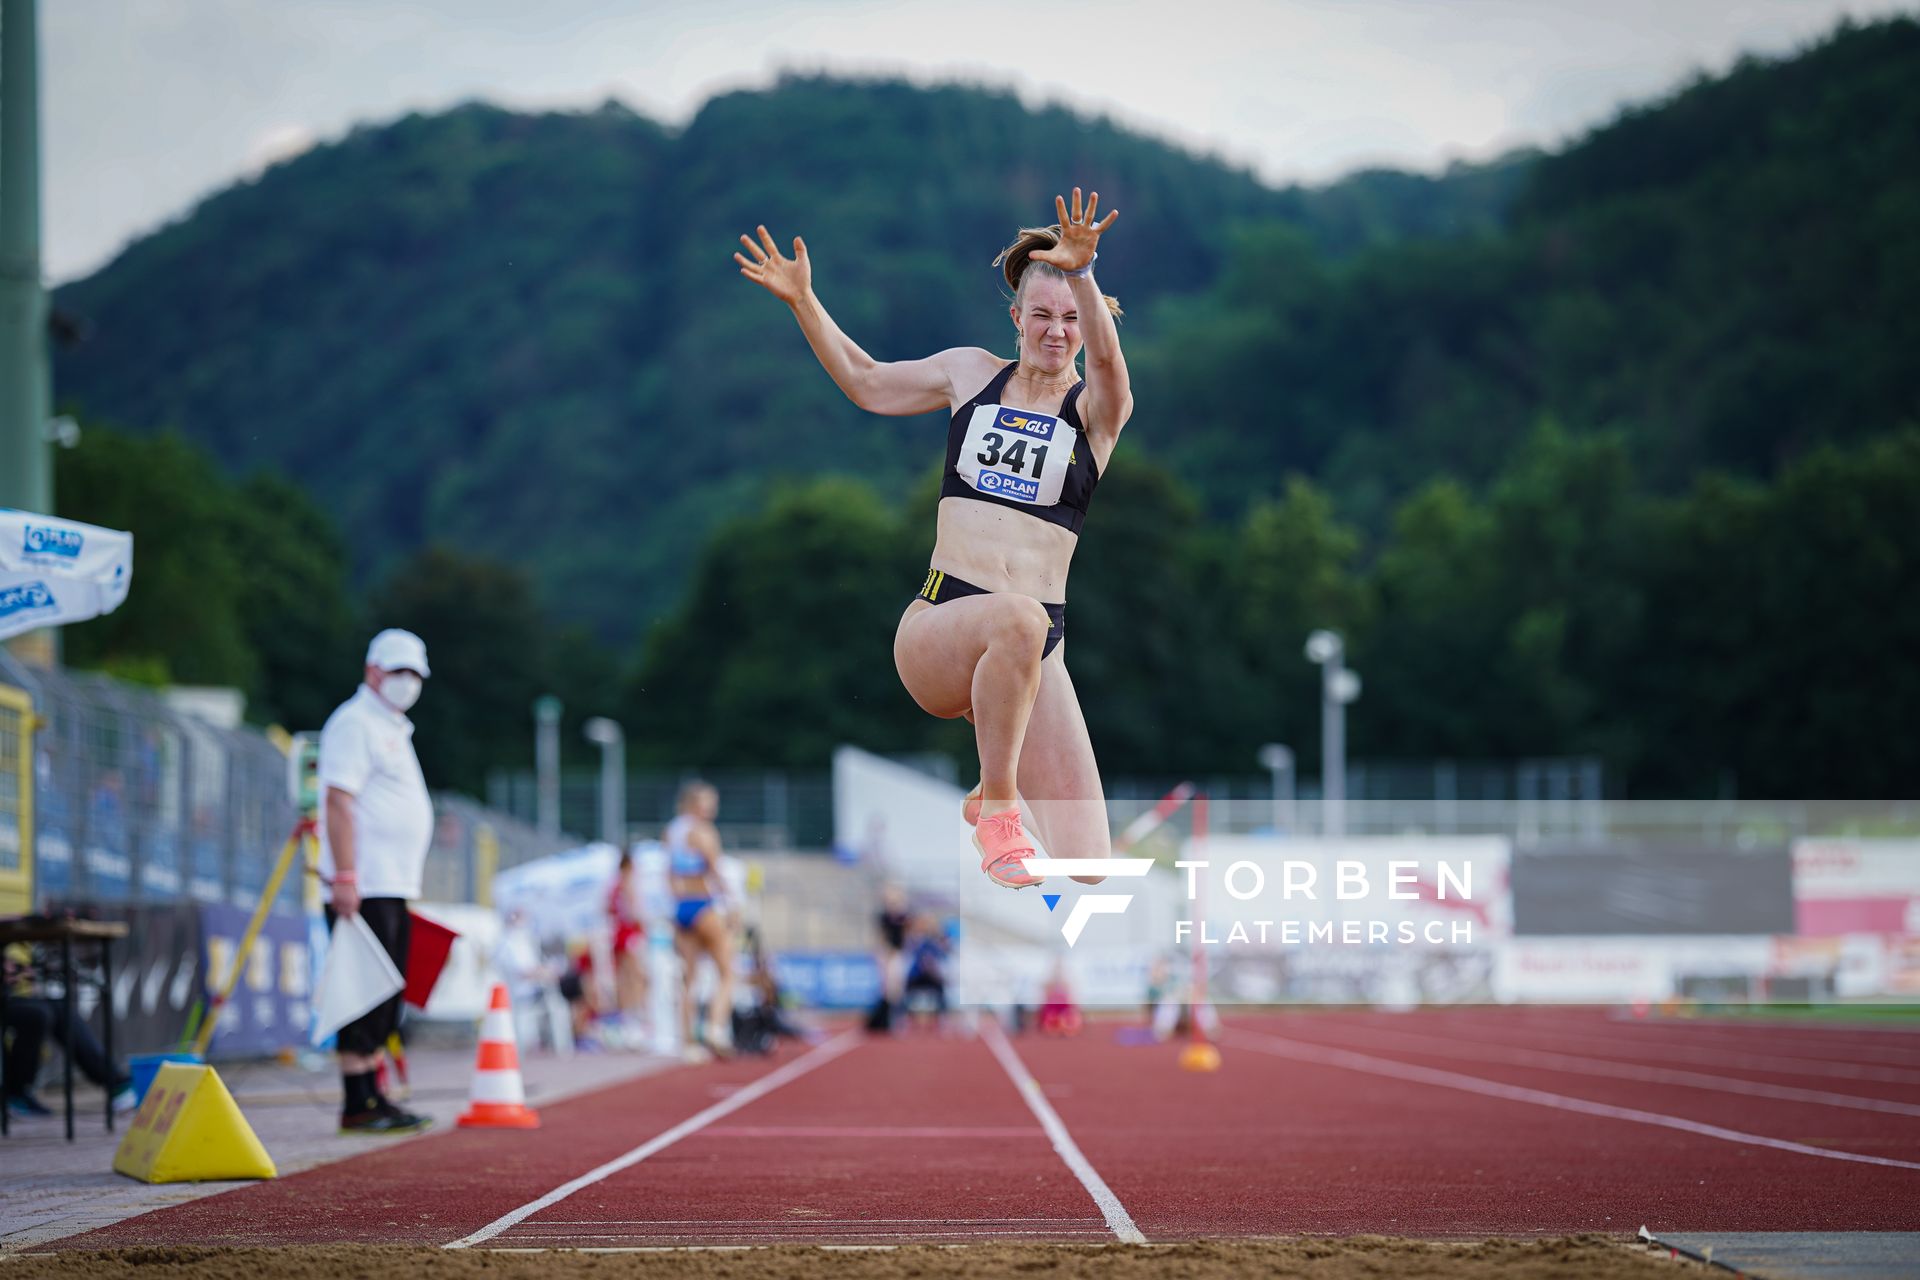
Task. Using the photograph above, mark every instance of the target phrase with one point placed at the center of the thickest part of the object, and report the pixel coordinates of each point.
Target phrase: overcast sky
(151, 104)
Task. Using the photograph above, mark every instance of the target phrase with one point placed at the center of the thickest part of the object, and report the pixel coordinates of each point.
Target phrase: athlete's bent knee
(1023, 623)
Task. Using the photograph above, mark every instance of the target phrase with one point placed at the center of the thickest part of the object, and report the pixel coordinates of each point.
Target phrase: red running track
(1454, 1123)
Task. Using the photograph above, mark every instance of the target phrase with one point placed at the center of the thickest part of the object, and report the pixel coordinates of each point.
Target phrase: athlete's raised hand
(787, 279)
(1079, 234)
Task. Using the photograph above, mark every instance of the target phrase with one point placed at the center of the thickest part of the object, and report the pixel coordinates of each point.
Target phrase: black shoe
(25, 1104)
(385, 1120)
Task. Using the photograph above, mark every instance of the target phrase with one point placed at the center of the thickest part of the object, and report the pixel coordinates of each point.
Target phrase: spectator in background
(31, 1021)
(1059, 1011)
(576, 988)
(893, 922)
(926, 984)
(629, 933)
(533, 984)
(376, 824)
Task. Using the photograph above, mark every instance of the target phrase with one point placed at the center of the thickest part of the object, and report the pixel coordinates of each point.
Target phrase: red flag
(427, 949)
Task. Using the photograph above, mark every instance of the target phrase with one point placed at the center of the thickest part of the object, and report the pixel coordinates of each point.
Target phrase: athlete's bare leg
(1058, 774)
(689, 951)
(979, 654)
(715, 936)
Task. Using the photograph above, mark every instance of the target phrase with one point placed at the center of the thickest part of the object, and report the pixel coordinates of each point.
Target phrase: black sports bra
(1021, 459)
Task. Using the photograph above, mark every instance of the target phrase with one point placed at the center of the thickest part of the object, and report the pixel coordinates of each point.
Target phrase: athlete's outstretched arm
(1107, 402)
(900, 387)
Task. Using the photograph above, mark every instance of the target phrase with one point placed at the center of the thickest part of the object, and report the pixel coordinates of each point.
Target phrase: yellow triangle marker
(189, 1129)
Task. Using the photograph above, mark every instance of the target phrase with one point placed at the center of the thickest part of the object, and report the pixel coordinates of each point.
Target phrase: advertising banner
(269, 1009)
(1575, 890)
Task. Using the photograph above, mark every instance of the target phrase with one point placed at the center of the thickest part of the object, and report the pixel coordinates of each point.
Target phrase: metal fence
(470, 843)
(136, 802)
(129, 800)
(1529, 802)
(1732, 825)
(759, 808)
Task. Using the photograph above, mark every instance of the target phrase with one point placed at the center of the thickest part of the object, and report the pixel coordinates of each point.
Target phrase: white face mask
(401, 689)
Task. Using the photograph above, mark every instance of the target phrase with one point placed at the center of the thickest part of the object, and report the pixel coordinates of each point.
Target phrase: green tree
(783, 648)
(1146, 608)
(488, 643)
(1505, 622)
(184, 618)
(294, 604)
(1783, 622)
(1295, 568)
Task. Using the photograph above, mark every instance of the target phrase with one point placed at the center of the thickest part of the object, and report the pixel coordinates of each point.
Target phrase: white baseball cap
(397, 650)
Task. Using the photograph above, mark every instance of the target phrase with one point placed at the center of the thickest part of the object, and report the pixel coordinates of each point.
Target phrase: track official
(376, 824)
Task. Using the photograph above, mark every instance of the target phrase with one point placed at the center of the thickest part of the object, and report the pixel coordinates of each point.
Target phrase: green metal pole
(26, 464)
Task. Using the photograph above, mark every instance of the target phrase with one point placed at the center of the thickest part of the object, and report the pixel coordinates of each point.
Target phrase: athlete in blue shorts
(701, 924)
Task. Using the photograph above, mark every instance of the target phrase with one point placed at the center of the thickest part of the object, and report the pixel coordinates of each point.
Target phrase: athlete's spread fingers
(1076, 204)
(759, 254)
(1108, 220)
(1093, 202)
(751, 268)
(799, 248)
(766, 238)
(1060, 204)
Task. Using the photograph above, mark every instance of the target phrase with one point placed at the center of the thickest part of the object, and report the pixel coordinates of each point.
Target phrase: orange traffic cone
(498, 1100)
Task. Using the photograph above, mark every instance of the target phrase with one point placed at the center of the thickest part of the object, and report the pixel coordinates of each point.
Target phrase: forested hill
(523, 334)
(1725, 277)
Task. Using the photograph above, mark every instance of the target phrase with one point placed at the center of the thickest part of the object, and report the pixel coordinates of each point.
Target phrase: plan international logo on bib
(1011, 486)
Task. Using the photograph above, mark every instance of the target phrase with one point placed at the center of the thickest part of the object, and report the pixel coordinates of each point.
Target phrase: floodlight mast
(612, 742)
(1338, 687)
(1278, 760)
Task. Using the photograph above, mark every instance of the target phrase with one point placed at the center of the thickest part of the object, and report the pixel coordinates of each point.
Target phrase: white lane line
(790, 1222)
(1118, 1220)
(875, 1131)
(1616, 1046)
(1389, 1067)
(1575, 1065)
(766, 1084)
(775, 1237)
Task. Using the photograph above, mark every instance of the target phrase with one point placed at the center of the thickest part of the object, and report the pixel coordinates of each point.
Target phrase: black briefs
(940, 588)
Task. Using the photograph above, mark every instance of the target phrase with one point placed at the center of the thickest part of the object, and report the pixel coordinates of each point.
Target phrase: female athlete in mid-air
(1027, 444)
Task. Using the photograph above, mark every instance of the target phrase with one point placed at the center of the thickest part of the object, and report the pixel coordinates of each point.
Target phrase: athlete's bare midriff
(999, 549)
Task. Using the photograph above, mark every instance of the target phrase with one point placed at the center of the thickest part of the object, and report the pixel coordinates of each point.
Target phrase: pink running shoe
(1003, 847)
(970, 807)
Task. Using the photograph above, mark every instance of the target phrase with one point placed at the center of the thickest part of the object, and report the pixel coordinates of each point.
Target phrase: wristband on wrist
(349, 876)
(1083, 271)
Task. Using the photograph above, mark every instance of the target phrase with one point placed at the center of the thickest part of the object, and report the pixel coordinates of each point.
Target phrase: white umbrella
(55, 571)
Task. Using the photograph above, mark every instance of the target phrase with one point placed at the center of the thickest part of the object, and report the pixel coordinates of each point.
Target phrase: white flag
(356, 977)
(55, 571)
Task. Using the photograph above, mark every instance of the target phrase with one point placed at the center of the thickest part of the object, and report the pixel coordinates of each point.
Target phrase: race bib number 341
(1016, 454)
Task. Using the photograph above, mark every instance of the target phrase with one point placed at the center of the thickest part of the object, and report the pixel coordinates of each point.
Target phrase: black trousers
(390, 922)
(30, 1022)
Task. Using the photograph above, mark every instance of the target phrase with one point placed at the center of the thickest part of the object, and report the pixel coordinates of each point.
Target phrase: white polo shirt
(366, 749)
